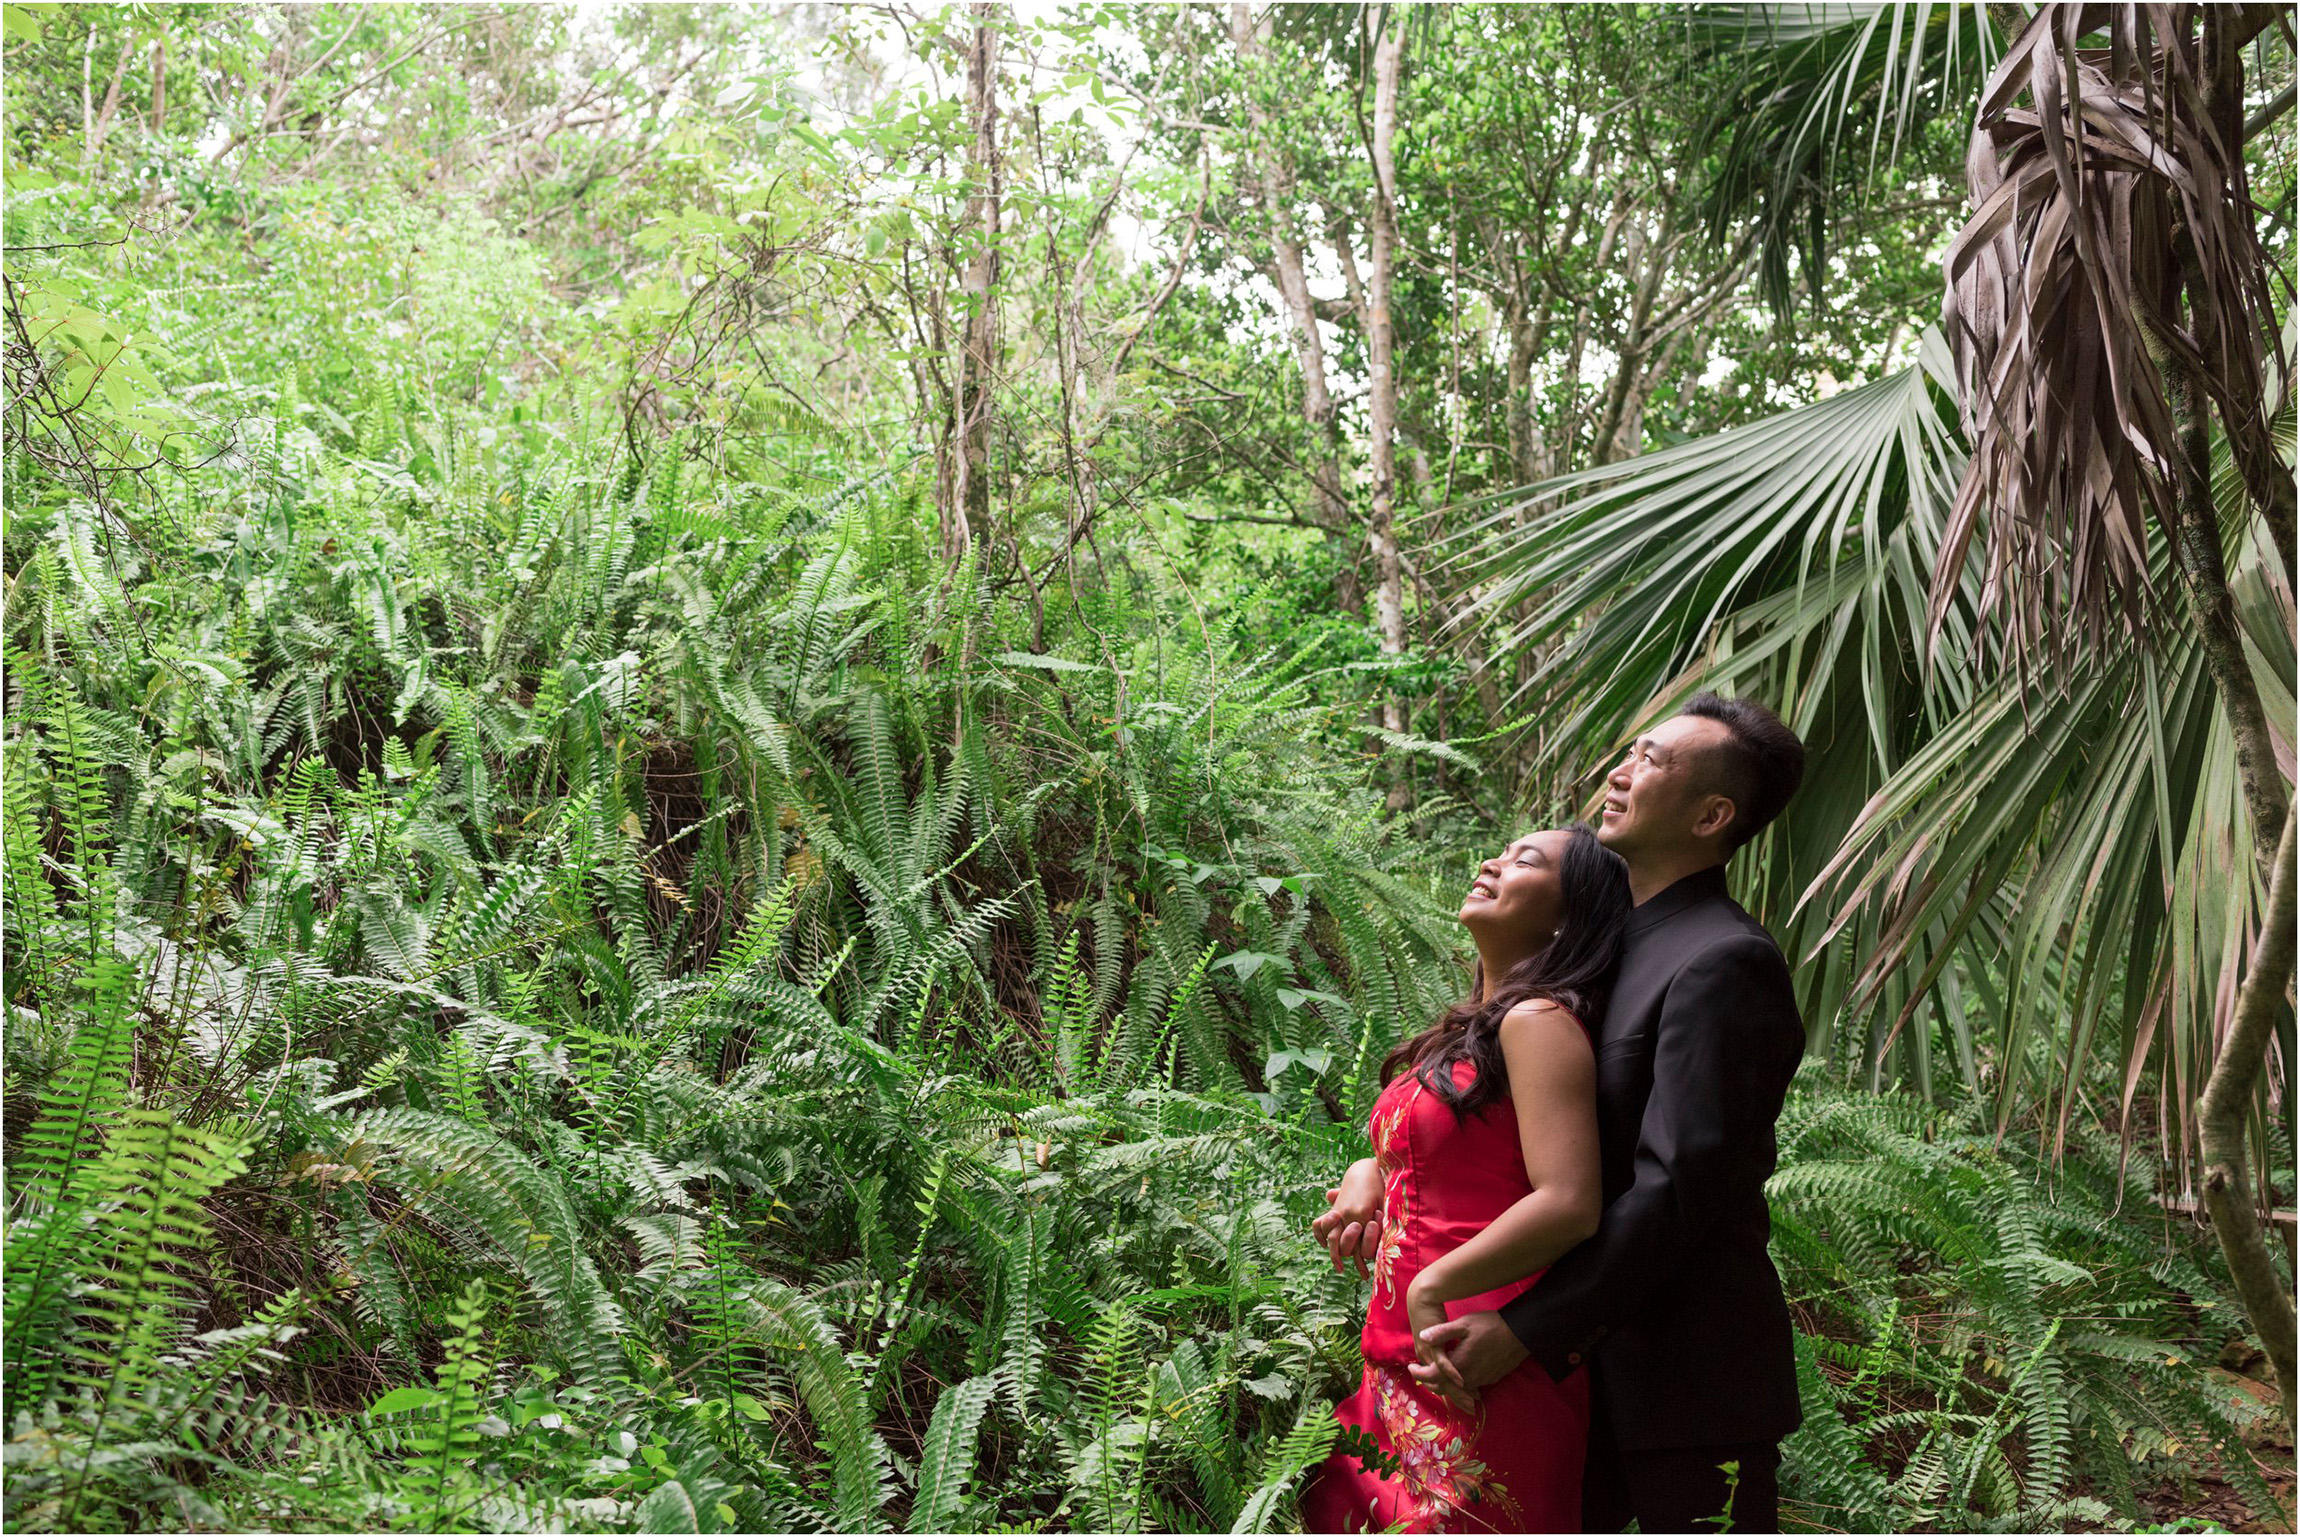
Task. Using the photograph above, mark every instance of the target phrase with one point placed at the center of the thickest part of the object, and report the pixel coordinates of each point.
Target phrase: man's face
(1655, 803)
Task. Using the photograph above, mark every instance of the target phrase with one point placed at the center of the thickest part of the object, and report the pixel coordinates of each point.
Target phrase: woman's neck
(1494, 963)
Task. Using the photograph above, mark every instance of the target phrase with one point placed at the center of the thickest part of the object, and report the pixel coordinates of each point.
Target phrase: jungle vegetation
(732, 732)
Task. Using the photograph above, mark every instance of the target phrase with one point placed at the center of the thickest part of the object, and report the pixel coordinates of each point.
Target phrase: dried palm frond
(2109, 183)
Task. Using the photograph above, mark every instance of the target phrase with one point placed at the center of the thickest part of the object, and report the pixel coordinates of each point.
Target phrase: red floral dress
(1514, 1465)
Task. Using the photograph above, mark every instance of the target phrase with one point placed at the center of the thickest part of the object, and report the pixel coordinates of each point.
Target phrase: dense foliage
(569, 965)
(726, 1056)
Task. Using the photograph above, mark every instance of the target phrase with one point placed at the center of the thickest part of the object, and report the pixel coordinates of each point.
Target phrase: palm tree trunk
(2246, 417)
(2236, 1067)
(2221, 1114)
(2195, 538)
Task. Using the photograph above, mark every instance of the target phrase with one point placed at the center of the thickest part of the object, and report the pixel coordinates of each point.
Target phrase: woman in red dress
(1484, 1172)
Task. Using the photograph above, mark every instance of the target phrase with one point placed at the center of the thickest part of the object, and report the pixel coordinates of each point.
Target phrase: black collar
(1675, 899)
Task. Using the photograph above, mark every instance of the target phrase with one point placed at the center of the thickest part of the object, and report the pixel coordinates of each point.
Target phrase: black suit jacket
(1674, 1304)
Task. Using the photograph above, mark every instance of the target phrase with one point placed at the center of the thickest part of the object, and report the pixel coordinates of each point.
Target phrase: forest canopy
(733, 732)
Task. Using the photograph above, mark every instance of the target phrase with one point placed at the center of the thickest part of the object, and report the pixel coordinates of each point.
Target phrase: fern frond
(946, 1459)
(789, 1324)
(482, 1186)
(1283, 1464)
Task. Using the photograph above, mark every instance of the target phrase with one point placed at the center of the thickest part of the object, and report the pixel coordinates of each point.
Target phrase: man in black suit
(1674, 1305)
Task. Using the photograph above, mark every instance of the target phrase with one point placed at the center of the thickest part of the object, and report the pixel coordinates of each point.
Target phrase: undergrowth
(565, 992)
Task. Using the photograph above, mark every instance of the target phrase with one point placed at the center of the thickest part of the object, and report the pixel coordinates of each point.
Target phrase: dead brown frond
(2112, 263)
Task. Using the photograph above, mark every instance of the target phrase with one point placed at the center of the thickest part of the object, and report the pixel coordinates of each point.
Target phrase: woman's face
(1519, 894)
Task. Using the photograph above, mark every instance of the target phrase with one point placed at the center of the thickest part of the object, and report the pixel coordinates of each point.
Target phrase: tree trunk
(2245, 415)
(1448, 621)
(1269, 181)
(967, 516)
(2221, 1113)
(2204, 578)
(1647, 261)
(2236, 1066)
(159, 81)
(1381, 349)
(99, 124)
(1524, 462)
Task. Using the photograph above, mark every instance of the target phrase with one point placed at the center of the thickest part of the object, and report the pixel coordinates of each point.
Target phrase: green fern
(437, 1490)
(1870, 1183)
(946, 1459)
(488, 1191)
(786, 975)
(1118, 1401)
(1282, 1465)
(136, 1229)
(34, 923)
(1022, 1348)
(794, 1329)
(69, 1169)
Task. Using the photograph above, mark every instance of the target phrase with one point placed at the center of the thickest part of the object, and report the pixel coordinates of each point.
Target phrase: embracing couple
(1574, 1320)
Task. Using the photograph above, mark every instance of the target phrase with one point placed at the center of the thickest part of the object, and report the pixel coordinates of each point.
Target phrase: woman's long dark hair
(1575, 971)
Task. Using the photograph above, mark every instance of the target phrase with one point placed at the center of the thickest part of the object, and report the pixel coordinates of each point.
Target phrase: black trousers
(1679, 1489)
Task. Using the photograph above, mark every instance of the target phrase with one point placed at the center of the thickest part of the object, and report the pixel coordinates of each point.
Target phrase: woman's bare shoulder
(1537, 1014)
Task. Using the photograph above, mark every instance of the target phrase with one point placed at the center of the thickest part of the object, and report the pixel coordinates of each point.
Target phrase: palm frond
(1819, 97)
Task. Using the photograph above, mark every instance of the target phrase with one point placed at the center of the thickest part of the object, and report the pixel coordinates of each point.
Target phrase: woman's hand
(1424, 1306)
(1455, 1360)
(1425, 1313)
(1351, 1228)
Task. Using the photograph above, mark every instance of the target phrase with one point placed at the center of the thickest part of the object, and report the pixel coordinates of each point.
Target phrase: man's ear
(1715, 817)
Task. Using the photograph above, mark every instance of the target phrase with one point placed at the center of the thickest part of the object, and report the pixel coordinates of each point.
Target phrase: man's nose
(1619, 778)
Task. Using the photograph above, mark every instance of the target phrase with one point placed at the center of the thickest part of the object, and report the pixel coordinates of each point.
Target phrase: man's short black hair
(1758, 767)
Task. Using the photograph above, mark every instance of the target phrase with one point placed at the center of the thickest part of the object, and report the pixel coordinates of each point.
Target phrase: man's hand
(1471, 1352)
(1351, 1229)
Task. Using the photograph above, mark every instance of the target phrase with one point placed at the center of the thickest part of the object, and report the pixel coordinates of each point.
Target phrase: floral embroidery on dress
(1407, 1460)
(1390, 1136)
(1436, 1465)
(1395, 1200)
(1390, 1159)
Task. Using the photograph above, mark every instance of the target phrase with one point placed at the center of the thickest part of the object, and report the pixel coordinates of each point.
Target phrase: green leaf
(1246, 962)
(1316, 1059)
(946, 1457)
(400, 1400)
(669, 1507)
